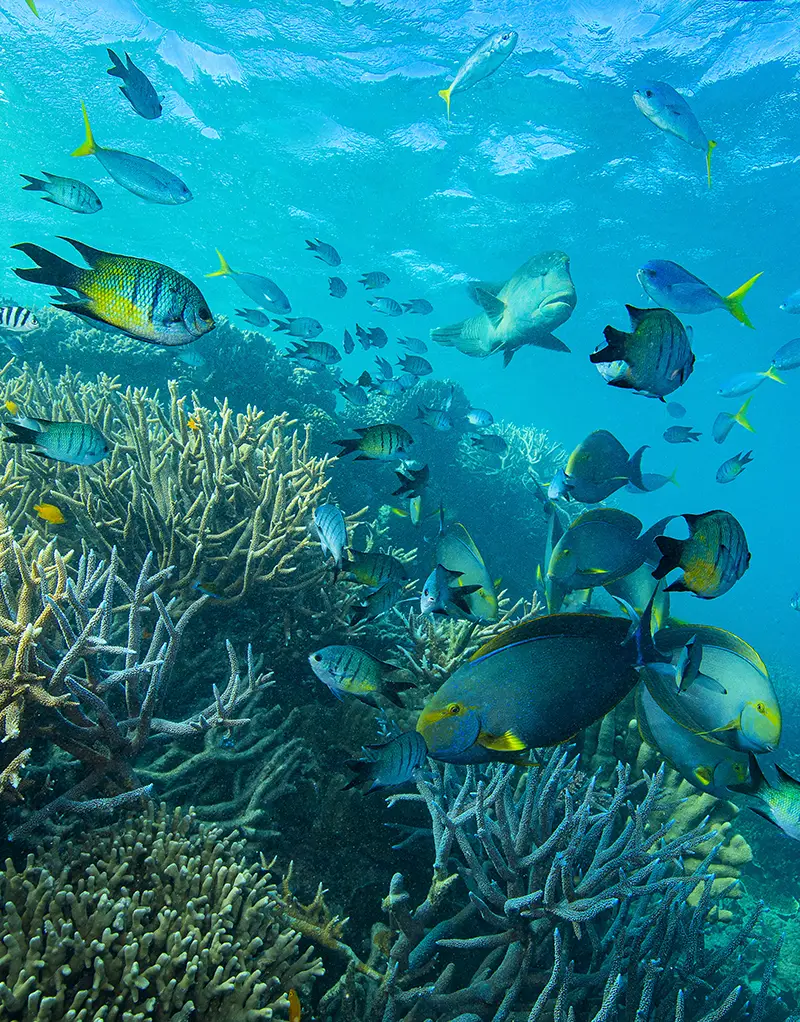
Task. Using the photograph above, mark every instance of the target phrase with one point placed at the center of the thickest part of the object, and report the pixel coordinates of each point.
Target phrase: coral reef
(157, 919)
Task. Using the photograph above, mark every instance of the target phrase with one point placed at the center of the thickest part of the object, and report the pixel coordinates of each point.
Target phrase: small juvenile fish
(373, 568)
(318, 353)
(353, 671)
(388, 765)
(325, 252)
(779, 803)
(348, 344)
(18, 320)
(295, 1008)
(713, 558)
(670, 112)
(414, 344)
(442, 594)
(255, 317)
(75, 443)
(388, 306)
(787, 356)
(206, 590)
(142, 177)
(480, 417)
(745, 383)
(418, 307)
(416, 365)
(674, 288)
(792, 303)
(680, 435)
(484, 60)
(377, 603)
(384, 368)
(734, 466)
(64, 191)
(725, 422)
(436, 418)
(374, 280)
(191, 358)
(331, 529)
(677, 411)
(11, 407)
(49, 513)
(338, 288)
(261, 290)
(136, 88)
(301, 326)
(413, 477)
(354, 394)
(490, 442)
(382, 442)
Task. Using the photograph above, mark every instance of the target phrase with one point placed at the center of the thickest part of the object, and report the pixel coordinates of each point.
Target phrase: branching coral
(160, 919)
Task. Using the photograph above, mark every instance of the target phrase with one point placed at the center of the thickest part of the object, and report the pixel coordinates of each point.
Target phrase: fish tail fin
(635, 468)
(21, 434)
(614, 350)
(118, 70)
(445, 94)
(51, 269)
(673, 478)
(773, 374)
(224, 269)
(32, 6)
(34, 184)
(733, 303)
(89, 147)
(392, 690)
(347, 446)
(671, 550)
(741, 416)
(711, 147)
(363, 769)
(646, 650)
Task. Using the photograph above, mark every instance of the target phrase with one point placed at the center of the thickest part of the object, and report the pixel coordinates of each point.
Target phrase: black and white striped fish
(17, 320)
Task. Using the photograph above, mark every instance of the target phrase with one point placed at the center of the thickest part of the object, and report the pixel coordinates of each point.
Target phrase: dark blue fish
(349, 344)
(413, 477)
(416, 365)
(384, 368)
(787, 356)
(677, 411)
(680, 435)
(390, 764)
(413, 344)
(418, 307)
(490, 442)
(255, 317)
(373, 281)
(338, 288)
(354, 393)
(375, 337)
(136, 88)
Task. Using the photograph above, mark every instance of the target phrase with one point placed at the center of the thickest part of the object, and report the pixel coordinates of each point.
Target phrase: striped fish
(75, 443)
(64, 191)
(657, 354)
(353, 671)
(18, 320)
(416, 365)
(383, 442)
(389, 765)
(373, 568)
(378, 602)
(713, 558)
(331, 530)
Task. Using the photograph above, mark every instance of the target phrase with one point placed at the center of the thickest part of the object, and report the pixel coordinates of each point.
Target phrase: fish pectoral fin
(466, 590)
(507, 742)
(490, 287)
(764, 814)
(491, 305)
(704, 775)
(732, 725)
(593, 571)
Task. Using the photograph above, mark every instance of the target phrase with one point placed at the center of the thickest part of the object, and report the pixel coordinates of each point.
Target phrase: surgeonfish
(331, 531)
(681, 434)
(388, 306)
(674, 288)
(304, 327)
(670, 112)
(598, 467)
(484, 60)
(713, 558)
(325, 252)
(337, 288)
(535, 684)
(443, 593)
(639, 590)
(456, 551)
(143, 299)
(418, 307)
(353, 671)
(657, 354)
(525, 309)
(746, 383)
(733, 467)
(261, 290)
(779, 801)
(68, 192)
(374, 280)
(372, 568)
(143, 177)
(788, 355)
(75, 443)
(382, 442)
(136, 87)
(50, 513)
(725, 421)
(390, 764)
(17, 320)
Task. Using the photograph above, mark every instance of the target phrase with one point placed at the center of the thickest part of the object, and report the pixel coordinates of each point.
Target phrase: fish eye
(454, 708)
(761, 708)
(506, 35)
(204, 313)
(316, 658)
(648, 93)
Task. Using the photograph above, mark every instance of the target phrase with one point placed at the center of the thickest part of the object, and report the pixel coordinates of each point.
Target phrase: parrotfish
(733, 467)
(713, 558)
(136, 87)
(325, 252)
(484, 60)
(383, 442)
(670, 112)
(779, 800)
(353, 671)
(64, 191)
(331, 530)
(674, 288)
(598, 467)
(657, 354)
(725, 421)
(261, 290)
(75, 443)
(390, 764)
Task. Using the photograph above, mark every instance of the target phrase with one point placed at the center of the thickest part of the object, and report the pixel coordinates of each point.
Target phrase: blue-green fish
(331, 530)
(301, 326)
(657, 355)
(378, 602)
(383, 442)
(713, 558)
(325, 252)
(484, 60)
(142, 177)
(353, 671)
(779, 800)
(443, 593)
(374, 280)
(674, 288)
(314, 354)
(670, 112)
(681, 434)
(746, 383)
(416, 365)
(373, 568)
(390, 764)
(725, 421)
(337, 289)
(456, 551)
(64, 191)
(788, 355)
(418, 307)
(75, 443)
(261, 290)
(388, 306)
(136, 87)
(255, 317)
(733, 467)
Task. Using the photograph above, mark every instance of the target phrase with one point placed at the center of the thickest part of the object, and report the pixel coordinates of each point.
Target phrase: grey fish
(337, 287)
(734, 466)
(261, 290)
(677, 411)
(416, 365)
(598, 467)
(317, 352)
(68, 192)
(374, 280)
(480, 417)
(331, 529)
(378, 602)
(354, 671)
(325, 252)
(255, 317)
(389, 765)
(18, 320)
(301, 326)
(418, 307)
(657, 354)
(436, 418)
(788, 355)
(375, 337)
(523, 310)
(681, 435)
(354, 393)
(143, 177)
(136, 87)
(348, 343)
(388, 306)
(484, 60)
(442, 594)
(491, 442)
(713, 558)
(75, 443)
(414, 344)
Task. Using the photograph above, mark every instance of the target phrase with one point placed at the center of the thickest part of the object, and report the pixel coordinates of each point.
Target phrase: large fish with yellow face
(145, 300)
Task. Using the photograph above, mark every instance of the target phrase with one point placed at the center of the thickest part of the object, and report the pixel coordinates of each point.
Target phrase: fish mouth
(564, 299)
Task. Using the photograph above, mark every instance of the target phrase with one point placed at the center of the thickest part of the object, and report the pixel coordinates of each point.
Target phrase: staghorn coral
(158, 919)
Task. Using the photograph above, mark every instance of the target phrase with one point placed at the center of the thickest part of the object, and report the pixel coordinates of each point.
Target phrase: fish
(734, 466)
(598, 467)
(479, 417)
(17, 320)
(794, 603)
(191, 358)
(443, 593)
(779, 801)
(677, 411)
(535, 684)
(490, 54)
(261, 290)
(408, 381)
(389, 764)
(413, 477)
(373, 568)
(301, 326)
(731, 700)
(374, 280)
(354, 393)
(787, 356)
(713, 558)
(419, 347)
(674, 288)
(437, 418)
(791, 304)
(389, 388)
(375, 337)
(457, 553)
(141, 298)
(418, 307)
(11, 407)
(657, 354)
(74, 443)
(314, 353)
(382, 442)
(50, 513)
(255, 317)
(670, 112)
(377, 603)
(681, 434)
(348, 343)
(136, 88)
(651, 481)
(746, 383)
(143, 177)
(524, 310)
(414, 513)
(725, 421)
(331, 531)
(206, 590)
(491, 442)
(68, 192)
(337, 287)
(353, 671)
(384, 368)
(388, 306)
(416, 365)
(295, 1009)
(325, 252)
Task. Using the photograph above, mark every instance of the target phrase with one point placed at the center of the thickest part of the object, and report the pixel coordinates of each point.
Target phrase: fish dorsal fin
(708, 636)
(609, 516)
(637, 316)
(460, 533)
(491, 305)
(786, 777)
(554, 625)
(507, 742)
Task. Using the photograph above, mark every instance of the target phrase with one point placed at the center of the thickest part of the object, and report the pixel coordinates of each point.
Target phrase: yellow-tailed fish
(670, 112)
(261, 290)
(673, 287)
(484, 60)
(50, 513)
(32, 6)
